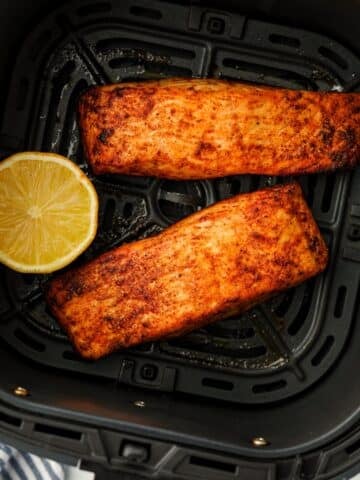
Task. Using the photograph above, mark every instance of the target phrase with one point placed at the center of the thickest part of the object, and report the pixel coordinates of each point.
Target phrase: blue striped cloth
(16, 465)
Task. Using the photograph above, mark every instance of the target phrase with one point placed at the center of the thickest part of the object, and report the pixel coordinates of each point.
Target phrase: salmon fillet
(198, 128)
(214, 263)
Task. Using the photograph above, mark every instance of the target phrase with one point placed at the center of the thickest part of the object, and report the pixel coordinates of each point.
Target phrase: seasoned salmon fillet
(198, 128)
(213, 264)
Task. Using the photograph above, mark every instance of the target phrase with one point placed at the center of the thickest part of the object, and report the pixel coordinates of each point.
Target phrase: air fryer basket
(287, 366)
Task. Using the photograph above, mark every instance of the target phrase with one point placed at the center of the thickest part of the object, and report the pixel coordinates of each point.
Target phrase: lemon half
(48, 212)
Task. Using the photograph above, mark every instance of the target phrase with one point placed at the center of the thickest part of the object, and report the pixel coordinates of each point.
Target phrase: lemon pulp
(48, 212)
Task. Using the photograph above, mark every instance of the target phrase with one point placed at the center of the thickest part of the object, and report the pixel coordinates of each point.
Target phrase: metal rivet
(259, 442)
(21, 392)
(140, 403)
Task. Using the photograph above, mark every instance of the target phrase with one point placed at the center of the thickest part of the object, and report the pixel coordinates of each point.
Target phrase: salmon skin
(217, 262)
(199, 128)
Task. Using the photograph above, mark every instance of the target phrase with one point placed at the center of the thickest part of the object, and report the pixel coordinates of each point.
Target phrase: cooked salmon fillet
(214, 263)
(198, 128)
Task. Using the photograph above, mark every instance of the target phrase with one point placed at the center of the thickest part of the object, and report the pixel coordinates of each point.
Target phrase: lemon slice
(48, 212)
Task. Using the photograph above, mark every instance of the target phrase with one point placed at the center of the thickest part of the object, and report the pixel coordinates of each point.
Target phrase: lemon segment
(48, 212)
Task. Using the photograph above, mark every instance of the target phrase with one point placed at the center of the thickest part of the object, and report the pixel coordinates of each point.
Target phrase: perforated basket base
(279, 348)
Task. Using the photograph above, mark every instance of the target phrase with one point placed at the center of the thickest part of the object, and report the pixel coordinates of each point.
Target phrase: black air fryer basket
(273, 394)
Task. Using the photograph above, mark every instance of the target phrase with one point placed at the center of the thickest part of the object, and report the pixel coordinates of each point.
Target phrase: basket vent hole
(212, 464)
(28, 278)
(333, 56)
(29, 341)
(48, 311)
(259, 72)
(309, 466)
(150, 67)
(246, 332)
(328, 193)
(128, 210)
(57, 431)
(354, 447)
(68, 135)
(303, 312)
(285, 303)
(228, 187)
(324, 350)
(216, 383)
(109, 212)
(310, 187)
(146, 12)
(269, 387)
(73, 356)
(340, 301)
(284, 40)
(138, 50)
(253, 352)
(284, 469)
(9, 419)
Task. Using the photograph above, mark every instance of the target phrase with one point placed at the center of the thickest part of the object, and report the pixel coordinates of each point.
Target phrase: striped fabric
(15, 465)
